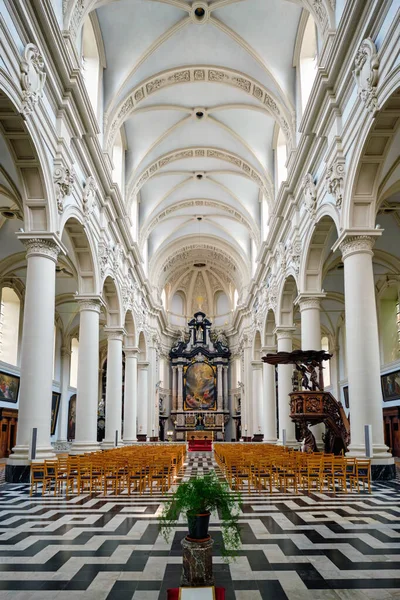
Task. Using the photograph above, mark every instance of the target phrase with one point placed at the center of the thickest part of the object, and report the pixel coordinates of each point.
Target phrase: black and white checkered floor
(298, 547)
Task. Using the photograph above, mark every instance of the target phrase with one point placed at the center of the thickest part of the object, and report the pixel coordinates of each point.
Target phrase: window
(73, 373)
(164, 299)
(221, 304)
(118, 157)
(308, 61)
(235, 299)
(281, 157)
(9, 326)
(91, 64)
(327, 365)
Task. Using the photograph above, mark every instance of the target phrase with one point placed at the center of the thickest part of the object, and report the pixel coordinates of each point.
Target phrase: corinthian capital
(46, 247)
(355, 244)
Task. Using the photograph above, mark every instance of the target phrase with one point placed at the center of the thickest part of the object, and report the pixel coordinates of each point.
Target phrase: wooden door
(8, 430)
(391, 424)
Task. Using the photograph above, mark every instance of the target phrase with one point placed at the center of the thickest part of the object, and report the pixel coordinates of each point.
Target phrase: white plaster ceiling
(163, 66)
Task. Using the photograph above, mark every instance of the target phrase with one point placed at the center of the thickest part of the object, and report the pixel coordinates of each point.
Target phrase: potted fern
(198, 497)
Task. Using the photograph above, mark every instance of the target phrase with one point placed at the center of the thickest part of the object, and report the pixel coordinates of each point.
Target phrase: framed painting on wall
(71, 418)
(55, 406)
(9, 387)
(391, 386)
(346, 396)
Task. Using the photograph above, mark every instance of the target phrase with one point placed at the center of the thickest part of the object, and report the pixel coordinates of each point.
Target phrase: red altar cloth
(200, 445)
(173, 593)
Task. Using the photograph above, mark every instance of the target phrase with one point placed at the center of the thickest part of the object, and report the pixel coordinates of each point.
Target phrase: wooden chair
(37, 477)
(362, 474)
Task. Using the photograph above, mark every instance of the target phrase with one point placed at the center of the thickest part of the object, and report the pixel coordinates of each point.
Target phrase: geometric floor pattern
(295, 546)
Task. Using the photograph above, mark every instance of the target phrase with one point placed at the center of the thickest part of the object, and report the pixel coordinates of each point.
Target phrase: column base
(383, 470)
(18, 473)
(270, 441)
(110, 444)
(379, 451)
(82, 447)
(20, 455)
(18, 467)
(289, 443)
(129, 442)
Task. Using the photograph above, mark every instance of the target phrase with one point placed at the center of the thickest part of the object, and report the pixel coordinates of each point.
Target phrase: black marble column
(197, 563)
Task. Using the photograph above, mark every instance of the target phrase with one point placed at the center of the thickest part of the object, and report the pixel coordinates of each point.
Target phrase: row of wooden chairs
(268, 466)
(135, 469)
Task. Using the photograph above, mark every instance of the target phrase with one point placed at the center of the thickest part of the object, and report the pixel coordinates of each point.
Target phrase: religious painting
(71, 418)
(9, 387)
(55, 405)
(199, 381)
(391, 386)
(346, 396)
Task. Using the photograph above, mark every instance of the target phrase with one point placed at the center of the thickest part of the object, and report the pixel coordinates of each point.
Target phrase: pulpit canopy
(296, 357)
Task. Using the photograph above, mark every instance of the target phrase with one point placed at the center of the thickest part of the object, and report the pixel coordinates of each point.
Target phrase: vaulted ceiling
(199, 91)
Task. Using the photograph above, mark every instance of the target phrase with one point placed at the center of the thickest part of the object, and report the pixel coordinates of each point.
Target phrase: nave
(294, 546)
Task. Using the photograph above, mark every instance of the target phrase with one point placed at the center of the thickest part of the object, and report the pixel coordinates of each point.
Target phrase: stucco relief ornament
(281, 256)
(104, 256)
(296, 254)
(33, 78)
(127, 295)
(366, 74)
(89, 195)
(310, 194)
(273, 296)
(334, 181)
(117, 257)
(63, 179)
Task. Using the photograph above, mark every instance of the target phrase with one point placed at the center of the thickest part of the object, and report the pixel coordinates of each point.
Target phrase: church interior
(199, 276)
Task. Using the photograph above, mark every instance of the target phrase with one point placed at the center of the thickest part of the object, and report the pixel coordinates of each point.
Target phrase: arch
(311, 269)
(371, 147)
(112, 300)
(11, 308)
(118, 114)
(79, 236)
(245, 169)
(30, 158)
(142, 345)
(269, 329)
(130, 328)
(257, 344)
(286, 302)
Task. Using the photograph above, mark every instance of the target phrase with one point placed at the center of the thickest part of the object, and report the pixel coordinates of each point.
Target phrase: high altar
(200, 361)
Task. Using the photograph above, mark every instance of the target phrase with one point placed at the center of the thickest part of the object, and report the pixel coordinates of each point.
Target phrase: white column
(174, 400)
(226, 388)
(257, 398)
(220, 397)
(310, 310)
(114, 387)
(284, 340)
(65, 376)
(34, 409)
(142, 402)
(362, 345)
(180, 387)
(152, 414)
(130, 395)
(269, 399)
(88, 377)
(247, 403)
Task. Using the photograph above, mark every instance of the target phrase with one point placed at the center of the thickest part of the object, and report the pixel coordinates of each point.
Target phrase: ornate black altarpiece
(199, 360)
